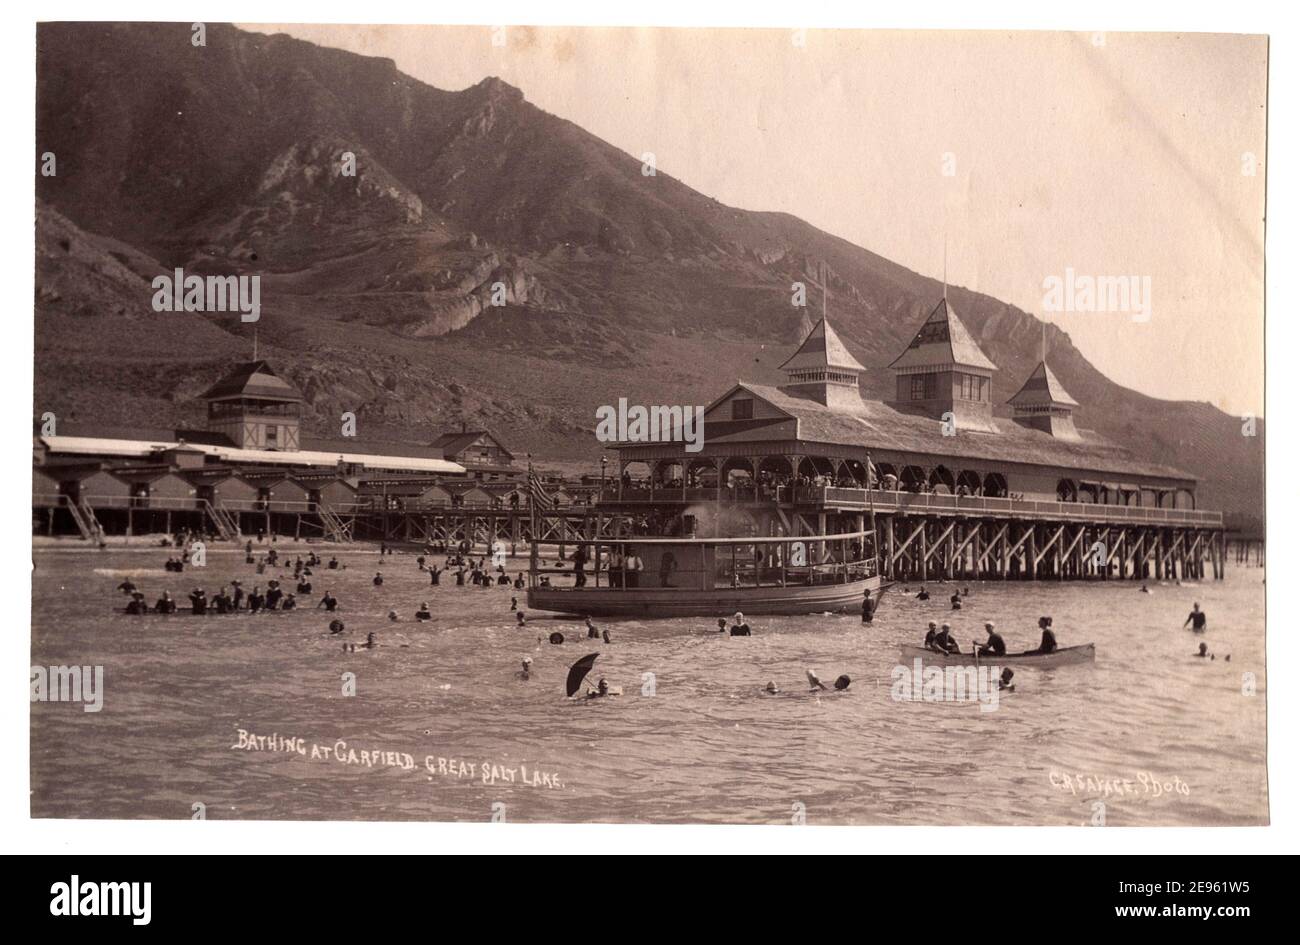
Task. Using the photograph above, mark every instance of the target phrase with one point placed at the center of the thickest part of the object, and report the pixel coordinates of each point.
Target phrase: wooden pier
(920, 537)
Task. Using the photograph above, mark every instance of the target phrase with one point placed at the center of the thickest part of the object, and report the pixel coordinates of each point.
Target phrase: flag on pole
(538, 492)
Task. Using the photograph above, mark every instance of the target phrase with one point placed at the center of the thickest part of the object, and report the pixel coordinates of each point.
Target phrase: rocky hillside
(378, 287)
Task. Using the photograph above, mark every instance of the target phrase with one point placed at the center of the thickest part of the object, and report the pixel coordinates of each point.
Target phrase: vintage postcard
(657, 426)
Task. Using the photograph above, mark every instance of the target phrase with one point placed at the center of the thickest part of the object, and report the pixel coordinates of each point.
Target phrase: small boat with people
(689, 577)
(1062, 656)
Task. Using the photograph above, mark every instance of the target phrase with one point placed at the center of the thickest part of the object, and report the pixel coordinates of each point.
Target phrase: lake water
(1158, 736)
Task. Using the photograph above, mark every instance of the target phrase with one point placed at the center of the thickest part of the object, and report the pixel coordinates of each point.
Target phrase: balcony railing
(889, 502)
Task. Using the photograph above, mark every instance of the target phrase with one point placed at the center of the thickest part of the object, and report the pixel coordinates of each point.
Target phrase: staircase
(225, 523)
(84, 516)
(333, 526)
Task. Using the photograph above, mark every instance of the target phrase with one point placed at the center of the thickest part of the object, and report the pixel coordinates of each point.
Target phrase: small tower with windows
(255, 408)
(1043, 404)
(943, 374)
(823, 370)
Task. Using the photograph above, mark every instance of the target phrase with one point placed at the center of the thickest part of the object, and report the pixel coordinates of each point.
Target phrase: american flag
(538, 492)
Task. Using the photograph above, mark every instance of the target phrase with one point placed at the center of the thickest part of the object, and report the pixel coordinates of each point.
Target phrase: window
(923, 386)
(742, 410)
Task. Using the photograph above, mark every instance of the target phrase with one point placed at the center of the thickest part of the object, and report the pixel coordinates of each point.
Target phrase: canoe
(1064, 656)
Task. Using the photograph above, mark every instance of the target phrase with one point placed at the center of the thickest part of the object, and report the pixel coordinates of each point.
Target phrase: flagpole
(532, 525)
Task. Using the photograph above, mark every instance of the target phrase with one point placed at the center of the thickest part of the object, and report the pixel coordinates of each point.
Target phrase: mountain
(378, 287)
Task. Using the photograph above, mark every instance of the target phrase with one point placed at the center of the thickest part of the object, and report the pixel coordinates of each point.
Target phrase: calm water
(707, 746)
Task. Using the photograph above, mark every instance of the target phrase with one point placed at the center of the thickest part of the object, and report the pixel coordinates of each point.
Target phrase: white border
(19, 833)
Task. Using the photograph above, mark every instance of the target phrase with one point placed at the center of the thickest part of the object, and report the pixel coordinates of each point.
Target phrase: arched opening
(668, 474)
(886, 476)
(701, 474)
(774, 472)
(1184, 499)
(855, 474)
(635, 477)
(738, 479)
(810, 467)
(968, 483)
(1067, 491)
(912, 479)
(1087, 492)
(995, 486)
(941, 481)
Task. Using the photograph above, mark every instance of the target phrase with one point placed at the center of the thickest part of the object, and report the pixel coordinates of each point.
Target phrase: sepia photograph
(648, 425)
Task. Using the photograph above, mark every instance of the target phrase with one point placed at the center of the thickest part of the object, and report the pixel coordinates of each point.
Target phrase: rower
(995, 645)
(944, 642)
(930, 634)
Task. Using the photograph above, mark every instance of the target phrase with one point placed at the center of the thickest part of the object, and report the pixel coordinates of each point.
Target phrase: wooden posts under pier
(913, 545)
(923, 548)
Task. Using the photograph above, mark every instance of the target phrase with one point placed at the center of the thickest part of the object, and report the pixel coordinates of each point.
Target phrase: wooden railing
(897, 502)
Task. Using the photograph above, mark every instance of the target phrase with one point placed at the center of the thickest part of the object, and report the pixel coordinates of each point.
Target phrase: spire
(822, 369)
(943, 341)
(1042, 403)
(822, 349)
(1042, 388)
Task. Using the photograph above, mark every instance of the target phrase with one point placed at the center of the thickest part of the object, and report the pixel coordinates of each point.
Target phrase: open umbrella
(578, 672)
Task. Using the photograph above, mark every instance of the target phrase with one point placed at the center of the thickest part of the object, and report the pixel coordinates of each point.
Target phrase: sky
(1034, 156)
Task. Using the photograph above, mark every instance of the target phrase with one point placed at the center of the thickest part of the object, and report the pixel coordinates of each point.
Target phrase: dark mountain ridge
(377, 288)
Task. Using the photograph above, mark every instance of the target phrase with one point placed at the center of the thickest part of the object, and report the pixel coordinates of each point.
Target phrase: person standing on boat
(634, 566)
(1196, 618)
(995, 645)
(667, 565)
(616, 567)
(579, 562)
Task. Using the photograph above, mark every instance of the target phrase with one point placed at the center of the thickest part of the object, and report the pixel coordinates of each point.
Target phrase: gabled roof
(822, 348)
(943, 341)
(453, 443)
(253, 379)
(1042, 388)
(880, 426)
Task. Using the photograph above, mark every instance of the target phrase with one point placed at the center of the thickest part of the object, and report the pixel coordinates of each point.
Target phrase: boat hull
(1065, 656)
(655, 602)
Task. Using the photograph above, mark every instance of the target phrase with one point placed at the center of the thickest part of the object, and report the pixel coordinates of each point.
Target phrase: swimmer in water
(770, 688)
(601, 690)
(1203, 651)
(336, 626)
(592, 632)
(722, 624)
(329, 602)
(923, 594)
(842, 682)
(526, 672)
(1004, 683)
(392, 616)
(1196, 618)
(813, 682)
(423, 613)
(519, 618)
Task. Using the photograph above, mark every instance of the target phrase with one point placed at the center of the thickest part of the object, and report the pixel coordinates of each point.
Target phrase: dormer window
(742, 409)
